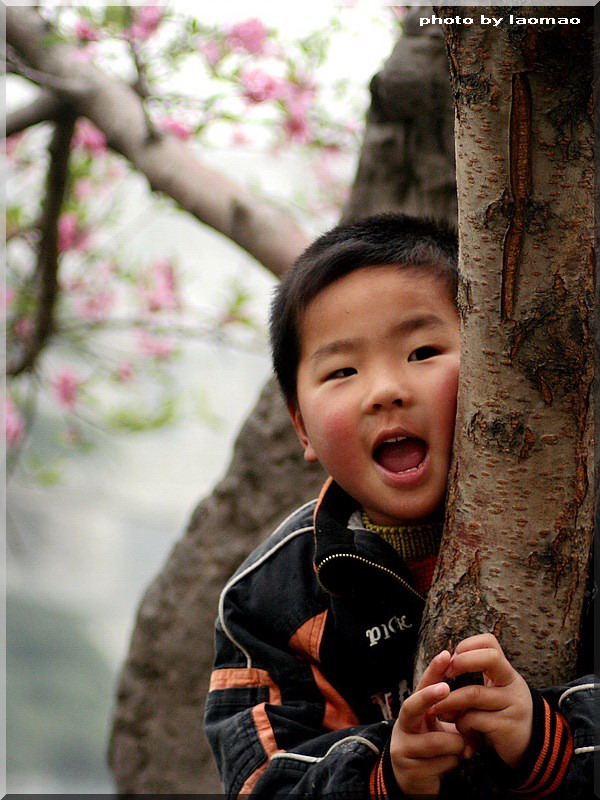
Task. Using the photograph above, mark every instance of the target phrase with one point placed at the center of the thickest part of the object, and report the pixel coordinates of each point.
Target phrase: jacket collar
(350, 561)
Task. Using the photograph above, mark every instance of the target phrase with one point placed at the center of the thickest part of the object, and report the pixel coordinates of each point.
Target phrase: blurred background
(127, 418)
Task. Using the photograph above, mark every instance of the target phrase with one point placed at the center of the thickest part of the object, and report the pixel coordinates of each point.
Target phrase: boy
(317, 630)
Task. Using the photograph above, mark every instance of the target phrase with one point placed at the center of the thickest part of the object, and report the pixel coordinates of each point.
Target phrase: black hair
(385, 239)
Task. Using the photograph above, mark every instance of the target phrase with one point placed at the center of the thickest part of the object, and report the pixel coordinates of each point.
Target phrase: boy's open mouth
(403, 454)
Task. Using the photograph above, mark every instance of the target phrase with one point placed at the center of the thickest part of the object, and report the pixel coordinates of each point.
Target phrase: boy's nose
(386, 392)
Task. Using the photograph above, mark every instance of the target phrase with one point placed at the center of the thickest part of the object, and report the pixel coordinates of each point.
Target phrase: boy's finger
(435, 670)
(489, 660)
(414, 707)
(483, 698)
(431, 745)
(481, 640)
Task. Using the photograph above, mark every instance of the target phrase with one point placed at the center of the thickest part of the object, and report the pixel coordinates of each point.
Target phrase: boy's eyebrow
(403, 328)
(337, 346)
(417, 322)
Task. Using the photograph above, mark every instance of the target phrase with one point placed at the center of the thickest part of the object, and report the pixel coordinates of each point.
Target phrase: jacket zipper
(372, 564)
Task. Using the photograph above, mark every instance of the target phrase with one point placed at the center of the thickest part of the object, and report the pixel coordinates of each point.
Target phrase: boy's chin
(417, 517)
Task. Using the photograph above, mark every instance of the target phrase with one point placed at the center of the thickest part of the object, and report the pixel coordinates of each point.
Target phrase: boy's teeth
(394, 439)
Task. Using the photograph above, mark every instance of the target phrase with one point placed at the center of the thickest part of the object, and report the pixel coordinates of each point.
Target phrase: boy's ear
(309, 454)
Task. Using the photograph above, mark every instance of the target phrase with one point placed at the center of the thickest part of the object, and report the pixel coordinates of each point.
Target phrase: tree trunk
(515, 552)
(157, 743)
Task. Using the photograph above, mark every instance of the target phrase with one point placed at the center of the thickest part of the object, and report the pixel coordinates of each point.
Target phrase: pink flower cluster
(249, 36)
(178, 127)
(298, 103)
(95, 307)
(71, 235)
(15, 424)
(258, 86)
(124, 372)
(12, 144)
(85, 32)
(160, 291)
(212, 51)
(24, 328)
(154, 346)
(87, 137)
(66, 385)
(92, 295)
(146, 22)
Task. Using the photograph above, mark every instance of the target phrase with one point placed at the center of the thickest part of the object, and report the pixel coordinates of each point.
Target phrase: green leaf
(135, 419)
(206, 413)
(53, 38)
(46, 473)
(117, 15)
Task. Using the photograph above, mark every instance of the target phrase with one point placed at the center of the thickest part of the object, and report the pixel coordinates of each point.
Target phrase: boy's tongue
(401, 456)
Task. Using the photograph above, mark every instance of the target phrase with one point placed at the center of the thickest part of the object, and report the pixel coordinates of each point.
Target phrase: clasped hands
(437, 726)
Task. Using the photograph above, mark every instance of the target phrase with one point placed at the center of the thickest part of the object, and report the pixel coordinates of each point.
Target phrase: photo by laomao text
(495, 21)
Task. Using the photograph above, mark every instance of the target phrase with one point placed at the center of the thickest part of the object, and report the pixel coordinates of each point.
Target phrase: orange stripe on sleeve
(307, 643)
(250, 678)
(307, 639)
(338, 713)
(566, 761)
(538, 764)
(267, 739)
(373, 781)
(381, 782)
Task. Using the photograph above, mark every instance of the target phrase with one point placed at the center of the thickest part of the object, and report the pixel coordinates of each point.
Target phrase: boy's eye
(344, 372)
(423, 353)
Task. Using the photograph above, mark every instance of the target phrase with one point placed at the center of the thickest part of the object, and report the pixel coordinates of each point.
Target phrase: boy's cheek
(337, 428)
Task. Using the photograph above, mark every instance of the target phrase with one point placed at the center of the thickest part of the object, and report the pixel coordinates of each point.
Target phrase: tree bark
(515, 552)
(157, 741)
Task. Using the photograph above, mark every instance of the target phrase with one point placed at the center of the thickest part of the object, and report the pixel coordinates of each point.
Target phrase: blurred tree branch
(268, 233)
(46, 274)
(46, 107)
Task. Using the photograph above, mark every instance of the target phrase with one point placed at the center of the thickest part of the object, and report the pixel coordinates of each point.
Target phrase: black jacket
(314, 653)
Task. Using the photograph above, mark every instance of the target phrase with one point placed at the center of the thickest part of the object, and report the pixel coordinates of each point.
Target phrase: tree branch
(266, 232)
(45, 108)
(46, 275)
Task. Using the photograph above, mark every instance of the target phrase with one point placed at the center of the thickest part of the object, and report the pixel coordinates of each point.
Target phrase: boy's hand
(501, 709)
(422, 748)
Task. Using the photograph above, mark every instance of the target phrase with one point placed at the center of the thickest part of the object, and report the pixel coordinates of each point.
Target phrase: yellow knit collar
(412, 542)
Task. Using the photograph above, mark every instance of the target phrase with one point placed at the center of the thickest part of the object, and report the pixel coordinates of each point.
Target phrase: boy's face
(379, 362)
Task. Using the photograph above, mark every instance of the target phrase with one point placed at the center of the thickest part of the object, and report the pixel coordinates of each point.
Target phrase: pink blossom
(72, 435)
(297, 104)
(24, 327)
(9, 296)
(83, 189)
(160, 293)
(125, 372)
(70, 235)
(297, 128)
(66, 388)
(105, 271)
(212, 52)
(15, 424)
(147, 21)
(12, 143)
(154, 346)
(85, 32)
(81, 55)
(399, 11)
(178, 127)
(88, 137)
(249, 36)
(95, 307)
(239, 138)
(258, 86)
